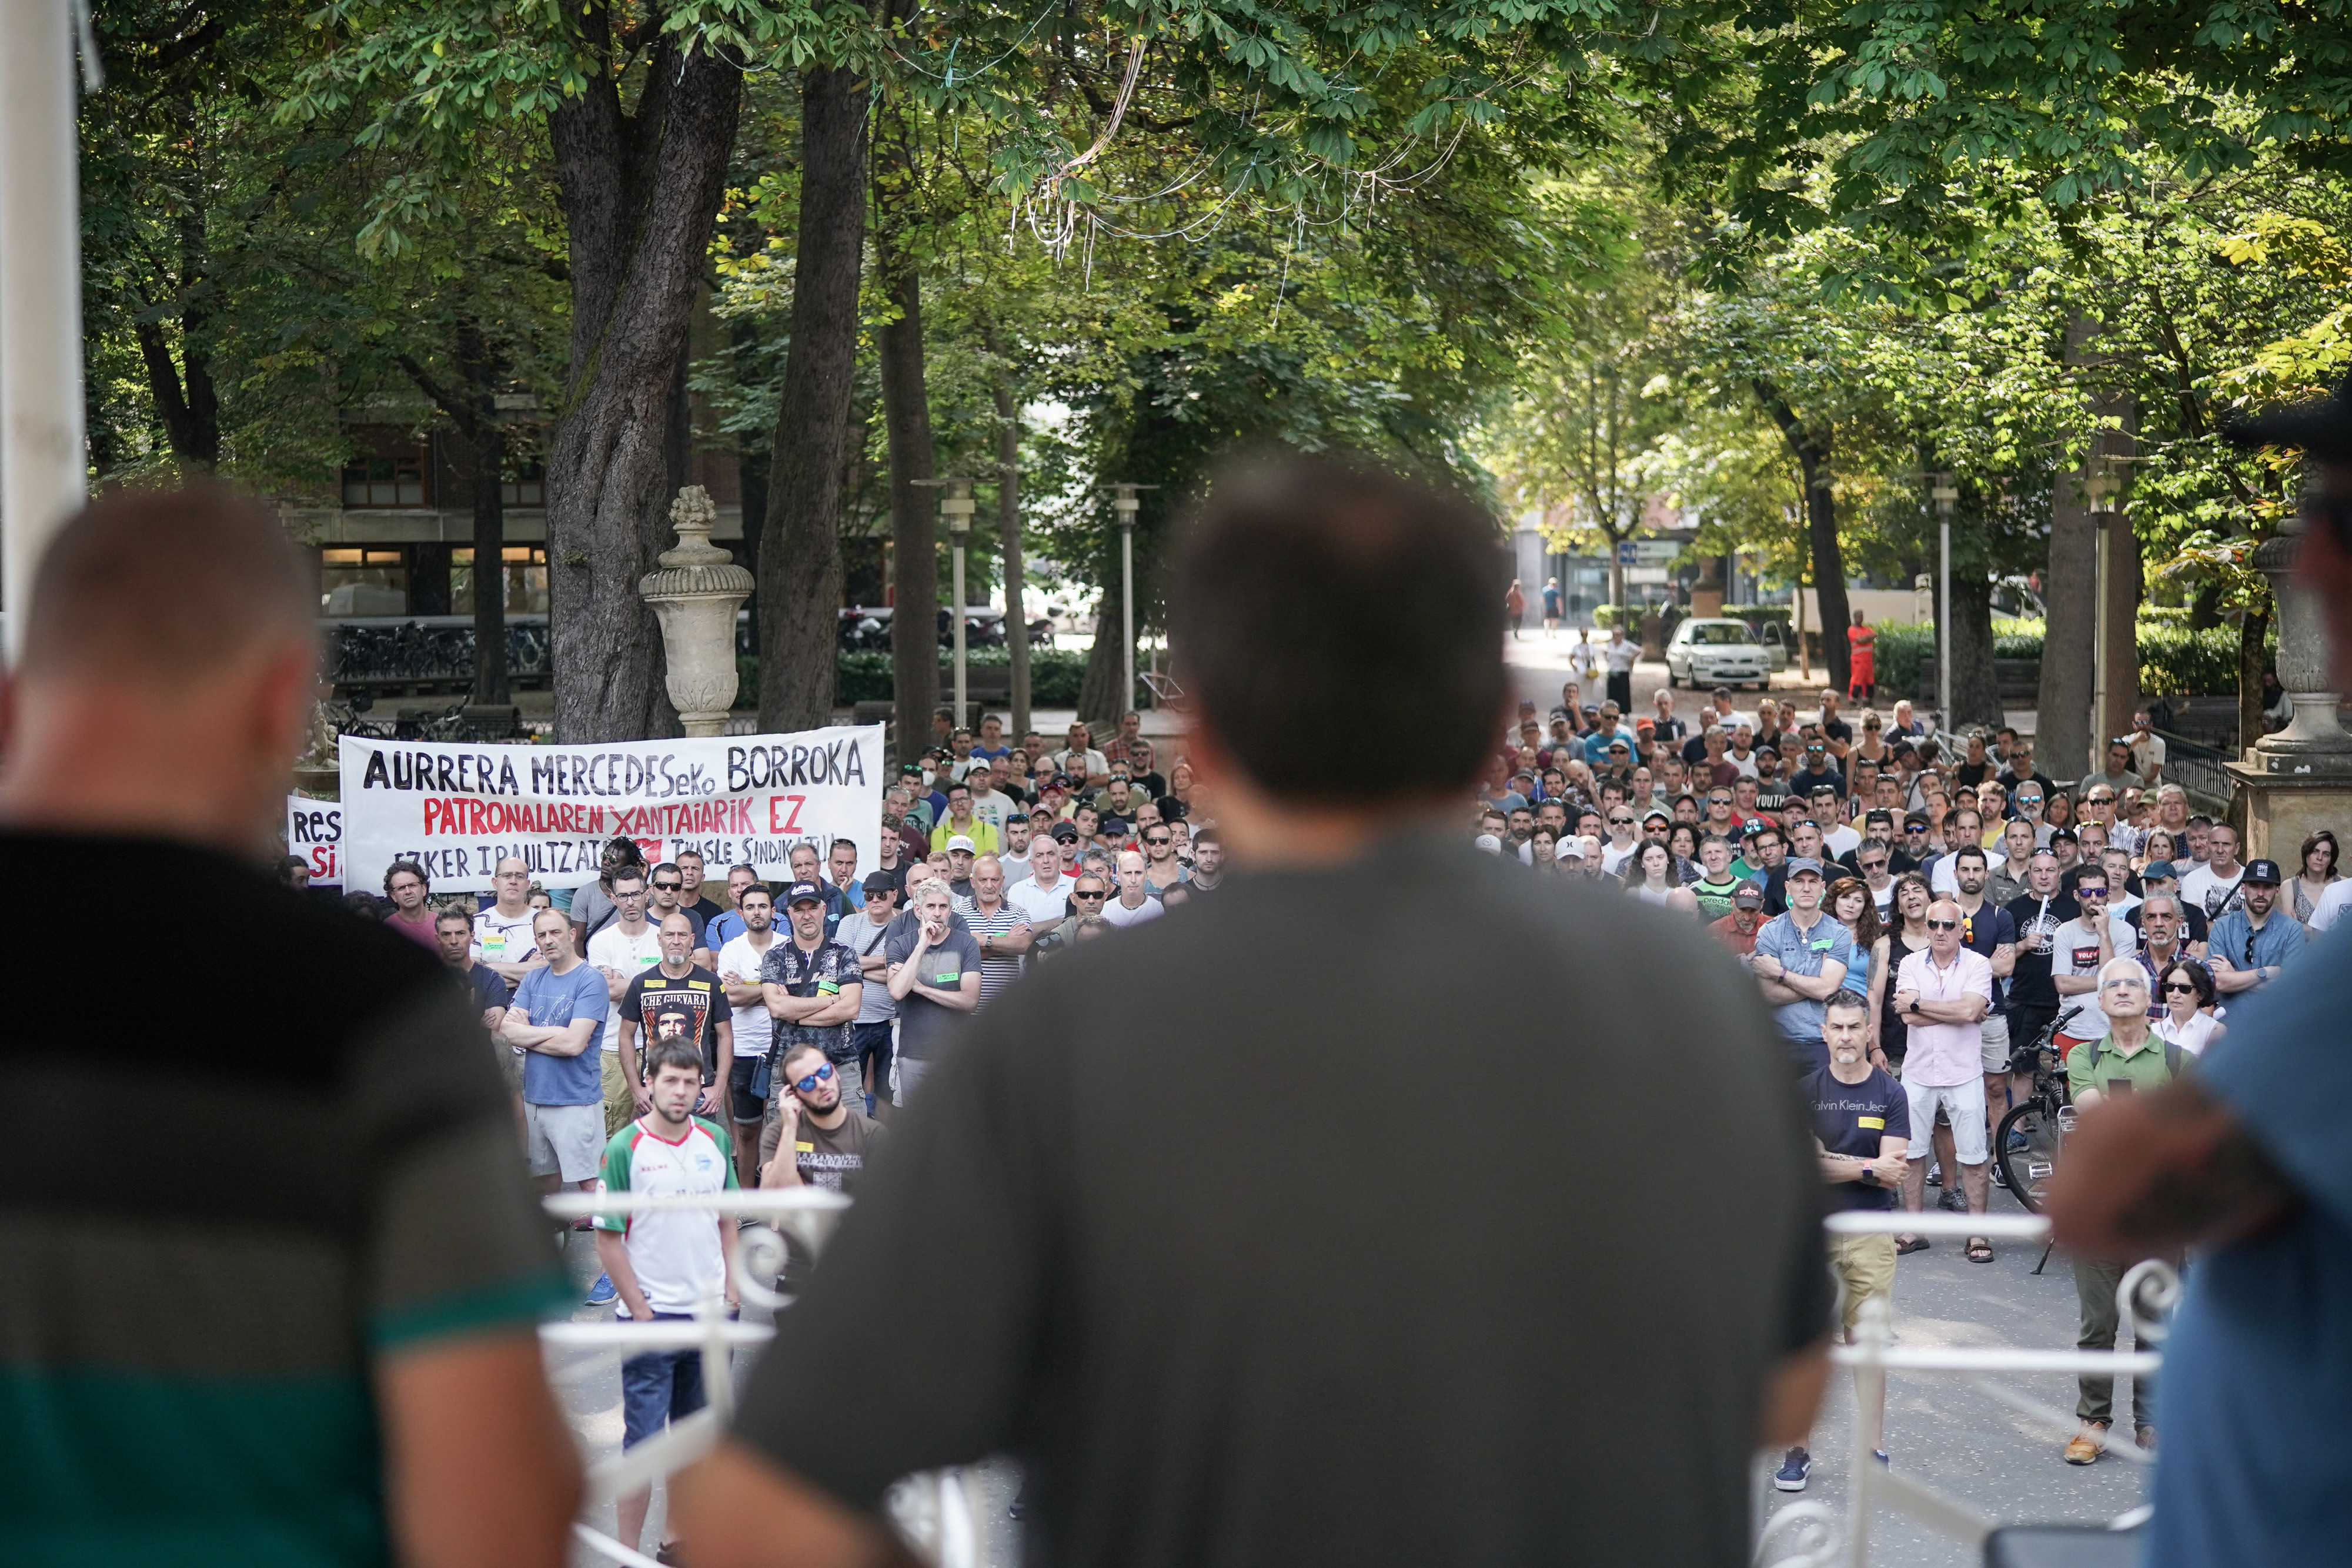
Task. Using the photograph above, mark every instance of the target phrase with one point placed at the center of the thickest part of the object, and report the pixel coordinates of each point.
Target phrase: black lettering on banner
(854, 773)
(800, 764)
(374, 776)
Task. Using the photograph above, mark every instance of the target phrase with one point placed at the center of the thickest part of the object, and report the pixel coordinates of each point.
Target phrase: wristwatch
(1914, 1004)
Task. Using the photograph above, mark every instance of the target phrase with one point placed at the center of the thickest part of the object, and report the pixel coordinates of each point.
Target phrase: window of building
(529, 486)
(362, 583)
(397, 480)
(526, 580)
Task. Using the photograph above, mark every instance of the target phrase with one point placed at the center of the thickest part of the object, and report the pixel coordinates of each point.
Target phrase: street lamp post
(1124, 506)
(2099, 487)
(957, 506)
(1947, 495)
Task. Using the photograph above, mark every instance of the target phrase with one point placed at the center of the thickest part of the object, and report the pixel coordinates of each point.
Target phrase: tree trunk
(914, 538)
(2252, 630)
(800, 549)
(1810, 448)
(1008, 527)
(1976, 681)
(639, 194)
(2062, 737)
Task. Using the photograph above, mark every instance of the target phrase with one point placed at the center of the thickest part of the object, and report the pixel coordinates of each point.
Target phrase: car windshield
(1721, 633)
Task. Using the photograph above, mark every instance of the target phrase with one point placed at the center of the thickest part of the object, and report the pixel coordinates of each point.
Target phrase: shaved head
(167, 588)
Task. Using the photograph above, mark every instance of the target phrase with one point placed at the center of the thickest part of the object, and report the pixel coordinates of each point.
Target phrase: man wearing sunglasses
(818, 1138)
(1943, 994)
(2250, 945)
(665, 894)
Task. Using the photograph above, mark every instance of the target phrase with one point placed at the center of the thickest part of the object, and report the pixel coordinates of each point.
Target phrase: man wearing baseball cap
(1738, 927)
(814, 985)
(1802, 959)
(2245, 1159)
(2249, 946)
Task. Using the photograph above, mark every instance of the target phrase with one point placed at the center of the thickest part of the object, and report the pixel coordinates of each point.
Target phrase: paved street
(1940, 1430)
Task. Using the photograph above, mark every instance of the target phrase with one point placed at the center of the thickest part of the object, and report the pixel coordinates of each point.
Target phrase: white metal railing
(930, 1511)
(934, 1513)
(2147, 1289)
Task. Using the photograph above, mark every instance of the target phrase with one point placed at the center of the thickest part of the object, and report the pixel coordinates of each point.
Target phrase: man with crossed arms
(1944, 994)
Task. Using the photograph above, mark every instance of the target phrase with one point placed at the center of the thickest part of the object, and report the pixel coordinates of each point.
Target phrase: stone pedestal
(2288, 784)
(695, 596)
(1708, 593)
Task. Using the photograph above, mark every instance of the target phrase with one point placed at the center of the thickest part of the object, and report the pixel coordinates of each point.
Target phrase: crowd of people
(1924, 924)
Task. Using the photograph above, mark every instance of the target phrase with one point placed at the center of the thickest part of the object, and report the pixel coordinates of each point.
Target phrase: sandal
(1979, 1249)
(1904, 1245)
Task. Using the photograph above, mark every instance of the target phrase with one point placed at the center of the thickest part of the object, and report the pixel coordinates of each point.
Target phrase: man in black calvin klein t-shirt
(1222, 1327)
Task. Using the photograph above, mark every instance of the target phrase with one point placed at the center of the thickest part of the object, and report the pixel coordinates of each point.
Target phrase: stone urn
(695, 596)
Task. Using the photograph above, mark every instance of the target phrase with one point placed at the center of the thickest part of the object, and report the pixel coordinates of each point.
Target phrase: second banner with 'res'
(457, 811)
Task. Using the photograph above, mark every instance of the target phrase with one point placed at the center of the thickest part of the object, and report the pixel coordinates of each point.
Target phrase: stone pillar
(1708, 593)
(2299, 779)
(695, 596)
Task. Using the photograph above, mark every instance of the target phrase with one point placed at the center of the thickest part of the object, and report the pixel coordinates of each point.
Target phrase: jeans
(873, 1044)
(658, 1387)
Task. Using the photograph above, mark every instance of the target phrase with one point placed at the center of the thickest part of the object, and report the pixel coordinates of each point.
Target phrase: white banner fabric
(457, 811)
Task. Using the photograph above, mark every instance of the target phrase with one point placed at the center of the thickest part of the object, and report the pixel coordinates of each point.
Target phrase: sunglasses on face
(822, 1075)
(1943, 925)
(1088, 893)
(1158, 841)
(2177, 989)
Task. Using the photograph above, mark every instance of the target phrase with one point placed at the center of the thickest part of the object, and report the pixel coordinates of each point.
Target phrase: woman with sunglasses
(2185, 1001)
(1906, 935)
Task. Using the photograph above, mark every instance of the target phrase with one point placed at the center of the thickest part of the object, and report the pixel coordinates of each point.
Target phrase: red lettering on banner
(790, 825)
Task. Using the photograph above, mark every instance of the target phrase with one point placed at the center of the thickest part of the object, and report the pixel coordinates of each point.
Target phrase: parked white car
(1717, 653)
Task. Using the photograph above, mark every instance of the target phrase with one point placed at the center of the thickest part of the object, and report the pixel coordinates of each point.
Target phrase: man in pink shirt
(1943, 994)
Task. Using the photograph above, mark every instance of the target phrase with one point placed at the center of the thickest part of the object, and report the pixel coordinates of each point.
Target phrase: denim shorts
(658, 1387)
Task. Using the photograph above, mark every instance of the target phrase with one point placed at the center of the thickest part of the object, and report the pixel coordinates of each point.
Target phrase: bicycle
(2029, 1139)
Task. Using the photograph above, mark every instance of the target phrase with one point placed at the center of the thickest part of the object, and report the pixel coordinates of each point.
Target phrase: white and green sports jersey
(676, 1253)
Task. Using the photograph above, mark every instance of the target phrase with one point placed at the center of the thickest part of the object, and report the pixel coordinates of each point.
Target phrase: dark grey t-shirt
(923, 1025)
(1227, 1327)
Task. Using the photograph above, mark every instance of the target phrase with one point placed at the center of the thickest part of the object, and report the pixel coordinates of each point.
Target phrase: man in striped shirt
(1001, 931)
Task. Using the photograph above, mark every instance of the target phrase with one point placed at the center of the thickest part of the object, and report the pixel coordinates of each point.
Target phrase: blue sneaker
(1883, 1462)
(1790, 1476)
(602, 1292)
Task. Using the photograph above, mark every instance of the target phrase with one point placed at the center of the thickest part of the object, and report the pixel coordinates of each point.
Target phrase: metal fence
(2196, 768)
(426, 653)
(934, 1512)
(1820, 1536)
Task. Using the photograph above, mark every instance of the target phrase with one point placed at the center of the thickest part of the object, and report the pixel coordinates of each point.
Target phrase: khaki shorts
(1864, 1267)
(1993, 1035)
(620, 1105)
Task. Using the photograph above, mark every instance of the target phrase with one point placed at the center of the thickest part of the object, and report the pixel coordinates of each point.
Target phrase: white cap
(1489, 842)
(962, 841)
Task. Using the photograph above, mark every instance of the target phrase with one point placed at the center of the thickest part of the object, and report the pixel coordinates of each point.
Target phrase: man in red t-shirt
(1739, 928)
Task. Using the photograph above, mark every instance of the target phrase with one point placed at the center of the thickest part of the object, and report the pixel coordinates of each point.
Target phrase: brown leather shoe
(2082, 1447)
(2145, 1437)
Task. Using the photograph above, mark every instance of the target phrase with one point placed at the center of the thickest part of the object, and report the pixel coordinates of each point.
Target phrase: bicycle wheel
(2027, 1145)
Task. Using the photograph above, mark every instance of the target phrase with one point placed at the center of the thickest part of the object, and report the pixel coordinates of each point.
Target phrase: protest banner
(314, 830)
(457, 811)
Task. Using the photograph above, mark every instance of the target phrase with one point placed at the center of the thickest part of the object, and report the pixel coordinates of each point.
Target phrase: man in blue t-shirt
(1861, 1121)
(557, 1020)
(1802, 959)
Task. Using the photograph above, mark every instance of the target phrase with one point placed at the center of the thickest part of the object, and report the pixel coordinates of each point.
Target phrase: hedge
(1055, 676)
(2173, 660)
